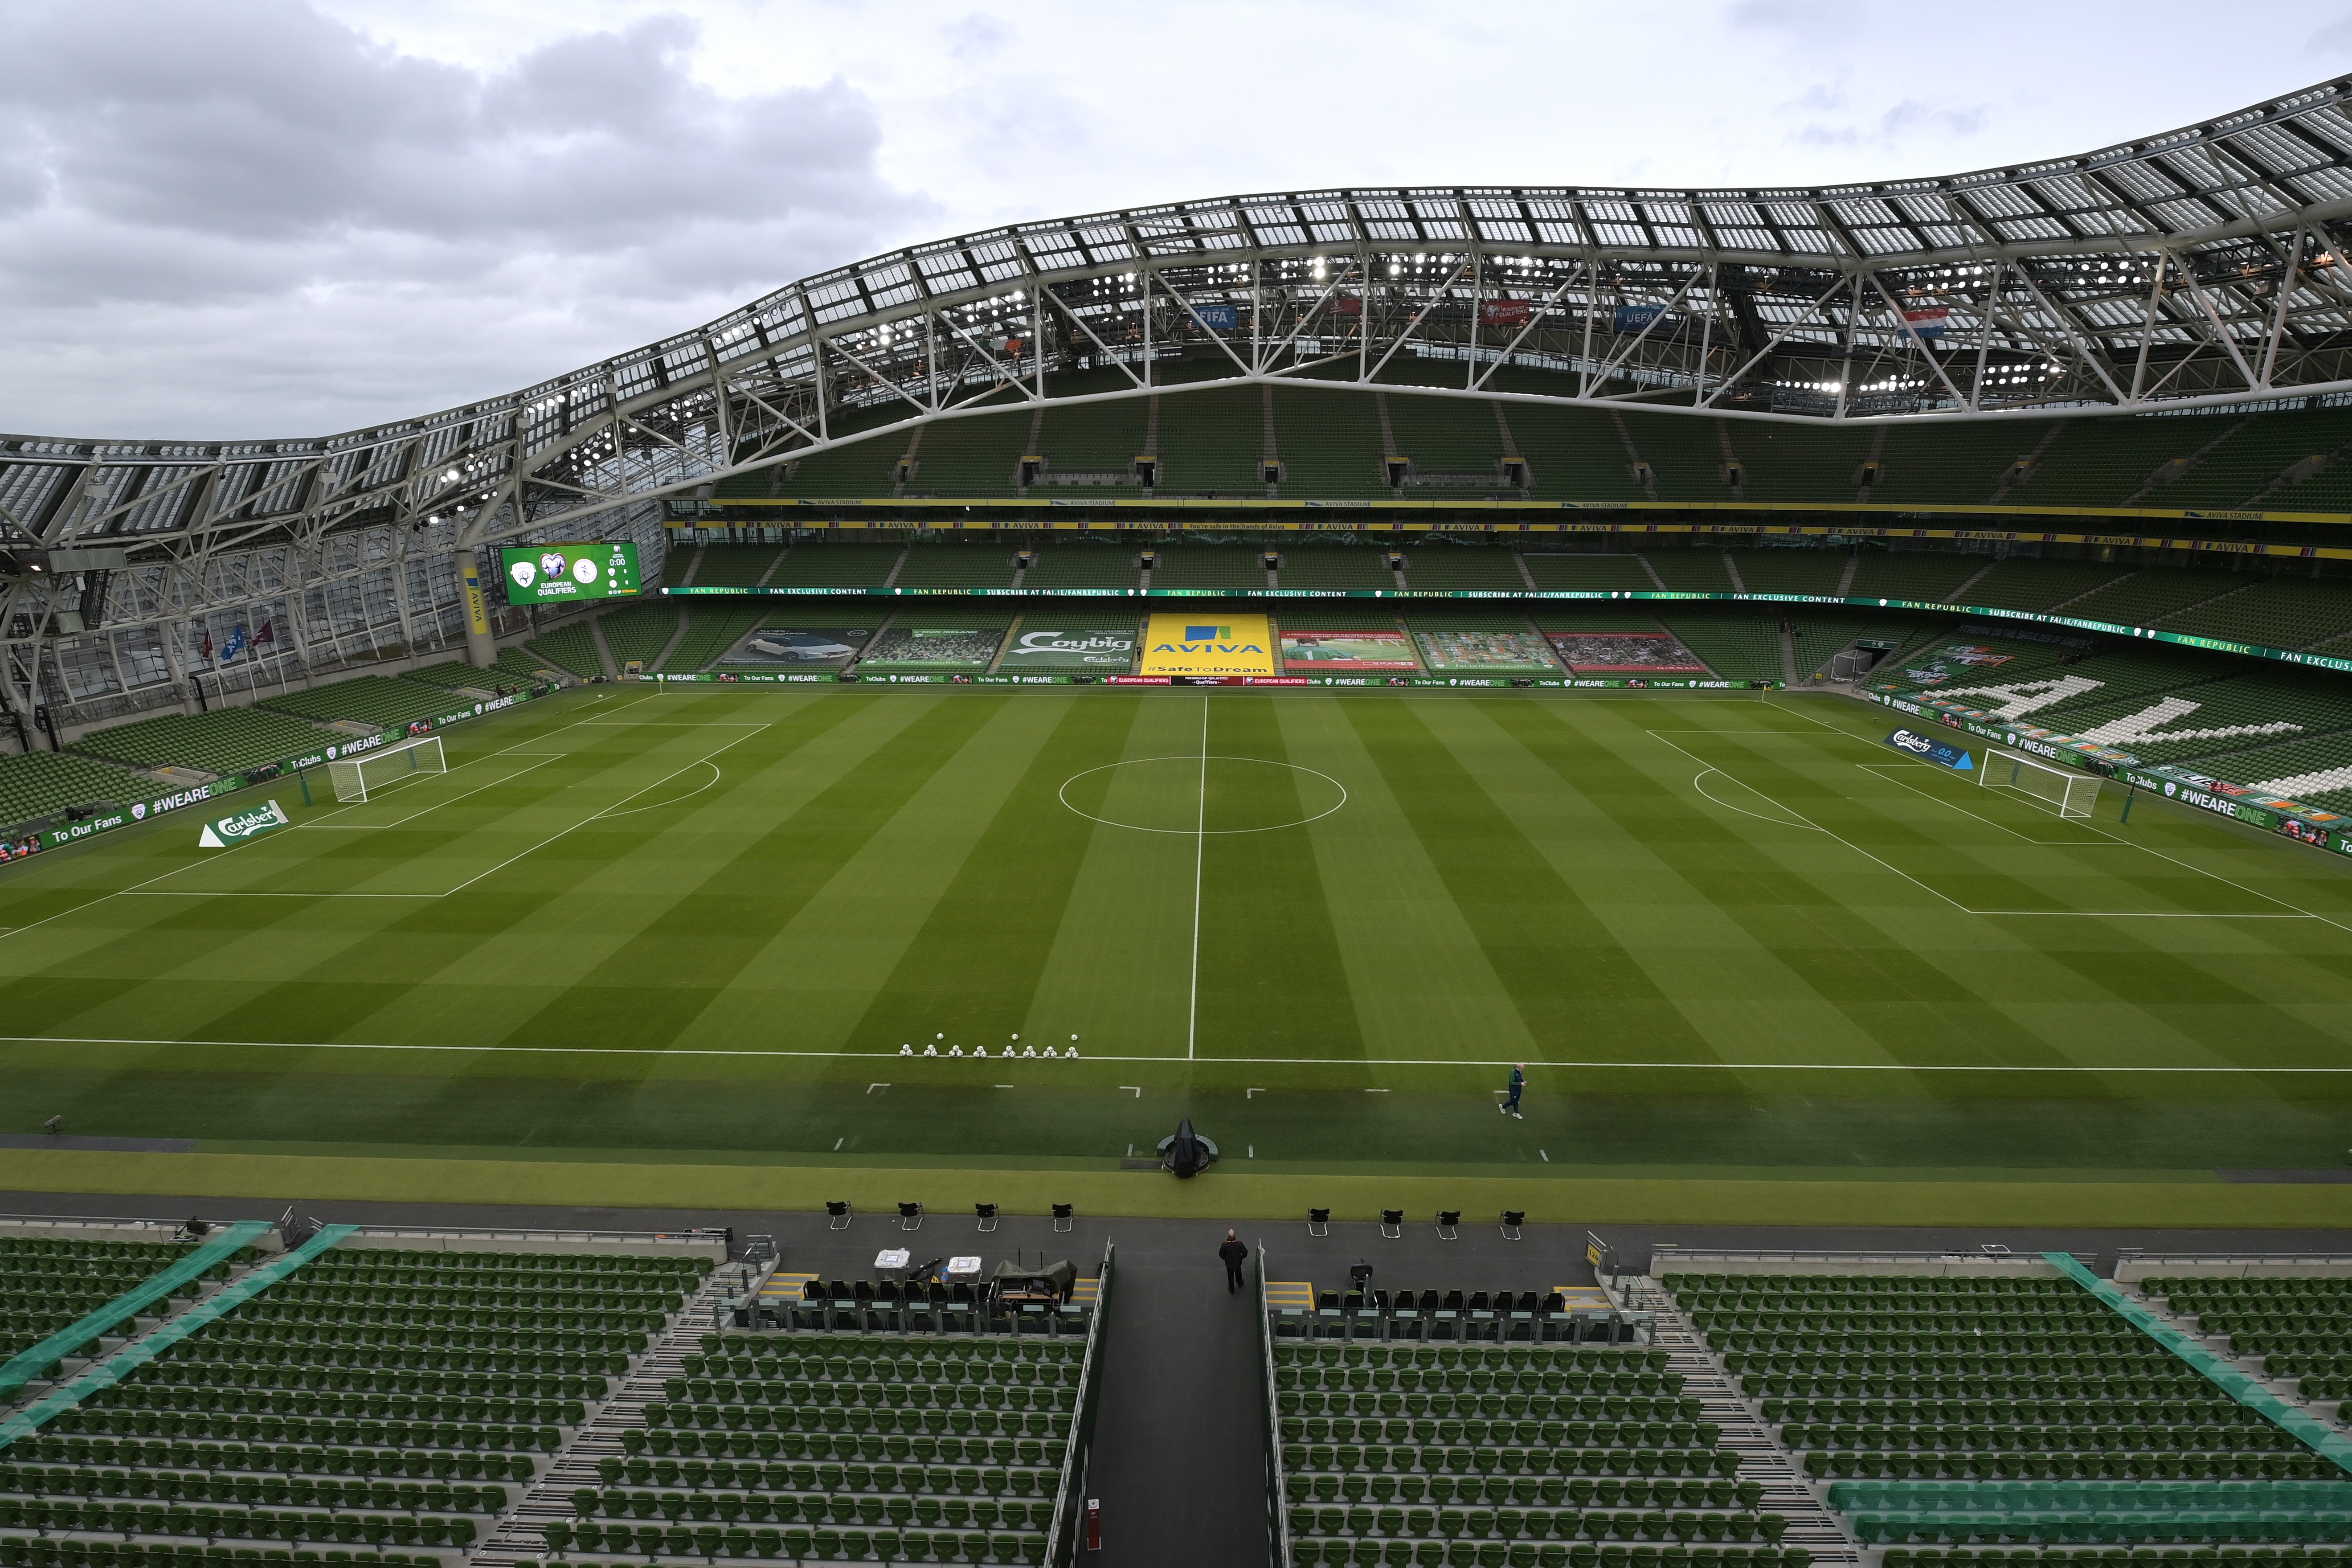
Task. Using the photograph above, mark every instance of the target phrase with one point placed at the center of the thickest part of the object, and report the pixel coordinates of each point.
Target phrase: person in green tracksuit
(1519, 1082)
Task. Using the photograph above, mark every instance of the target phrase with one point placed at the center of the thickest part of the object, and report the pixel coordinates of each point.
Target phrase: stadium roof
(2202, 266)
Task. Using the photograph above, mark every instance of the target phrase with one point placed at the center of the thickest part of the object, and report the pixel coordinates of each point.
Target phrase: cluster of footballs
(932, 1049)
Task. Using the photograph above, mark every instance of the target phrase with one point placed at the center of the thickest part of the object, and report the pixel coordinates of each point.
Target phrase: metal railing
(1062, 1540)
(1278, 1485)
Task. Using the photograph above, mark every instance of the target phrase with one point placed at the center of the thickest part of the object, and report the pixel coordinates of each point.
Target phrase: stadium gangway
(2133, 1265)
(712, 1244)
(94, 1227)
(1694, 1259)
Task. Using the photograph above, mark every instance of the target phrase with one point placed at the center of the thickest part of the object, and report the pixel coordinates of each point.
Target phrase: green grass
(680, 937)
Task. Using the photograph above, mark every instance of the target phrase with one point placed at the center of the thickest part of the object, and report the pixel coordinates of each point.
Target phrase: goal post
(2063, 790)
(372, 773)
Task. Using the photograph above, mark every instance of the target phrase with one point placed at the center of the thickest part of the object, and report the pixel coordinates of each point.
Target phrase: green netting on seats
(113, 1370)
(26, 1367)
(2313, 1434)
(1930, 1500)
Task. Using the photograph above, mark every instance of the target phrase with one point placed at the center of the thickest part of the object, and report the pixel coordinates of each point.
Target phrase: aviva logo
(1177, 645)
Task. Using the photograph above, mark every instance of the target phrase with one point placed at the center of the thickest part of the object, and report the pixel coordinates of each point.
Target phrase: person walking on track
(1232, 1252)
(1519, 1082)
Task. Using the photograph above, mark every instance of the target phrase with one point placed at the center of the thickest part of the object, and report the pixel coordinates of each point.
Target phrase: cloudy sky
(284, 218)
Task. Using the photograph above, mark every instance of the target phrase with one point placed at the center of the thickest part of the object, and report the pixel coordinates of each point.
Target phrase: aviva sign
(1193, 644)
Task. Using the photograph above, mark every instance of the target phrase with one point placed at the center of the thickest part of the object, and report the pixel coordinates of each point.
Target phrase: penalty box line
(2075, 1069)
(137, 886)
(614, 809)
(2295, 912)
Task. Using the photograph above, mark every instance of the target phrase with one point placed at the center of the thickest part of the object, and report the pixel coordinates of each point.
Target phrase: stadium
(1821, 707)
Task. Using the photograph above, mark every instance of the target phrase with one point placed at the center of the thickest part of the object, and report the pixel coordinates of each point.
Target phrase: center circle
(1199, 794)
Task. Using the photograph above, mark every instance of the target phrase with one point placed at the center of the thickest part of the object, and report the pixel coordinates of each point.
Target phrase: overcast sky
(274, 218)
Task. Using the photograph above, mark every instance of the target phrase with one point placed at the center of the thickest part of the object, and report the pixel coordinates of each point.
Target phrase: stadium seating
(1521, 1452)
(370, 1399)
(2257, 451)
(1081, 616)
(976, 457)
(826, 1444)
(1735, 644)
(224, 740)
(1330, 444)
(1213, 442)
(1791, 571)
(2145, 597)
(368, 700)
(1434, 566)
(1921, 575)
(640, 632)
(713, 625)
(513, 666)
(1582, 570)
(1793, 463)
(983, 565)
(2302, 1328)
(1992, 1380)
(1189, 565)
(854, 469)
(1699, 569)
(2285, 612)
(1446, 434)
(2105, 462)
(48, 1284)
(734, 566)
(1083, 563)
(571, 647)
(1964, 464)
(1573, 454)
(1096, 438)
(1310, 563)
(36, 784)
(2023, 583)
(829, 566)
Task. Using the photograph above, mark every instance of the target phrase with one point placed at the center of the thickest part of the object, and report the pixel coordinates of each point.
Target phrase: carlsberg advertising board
(241, 826)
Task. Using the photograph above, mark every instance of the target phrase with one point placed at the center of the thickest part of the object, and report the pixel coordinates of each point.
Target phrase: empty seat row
(799, 1542)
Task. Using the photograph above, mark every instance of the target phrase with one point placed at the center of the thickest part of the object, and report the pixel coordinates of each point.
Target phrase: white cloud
(267, 217)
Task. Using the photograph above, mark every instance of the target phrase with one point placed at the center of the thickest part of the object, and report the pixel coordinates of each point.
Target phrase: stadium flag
(1196, 645)
(208, 642)
(1928, 322)
(1220, 317)
(1633, 317)
(1507, 313)
(235, 644)
(238, 826)
(268, 634)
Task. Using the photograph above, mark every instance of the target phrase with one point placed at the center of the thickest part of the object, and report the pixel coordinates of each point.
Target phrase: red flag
(209, 645)
(268, 634)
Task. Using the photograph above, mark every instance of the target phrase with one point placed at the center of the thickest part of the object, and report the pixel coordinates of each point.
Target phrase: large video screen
(543, 574)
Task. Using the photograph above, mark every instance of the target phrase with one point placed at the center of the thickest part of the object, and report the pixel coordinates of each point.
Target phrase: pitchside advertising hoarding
(550, 574)
(1221, 645)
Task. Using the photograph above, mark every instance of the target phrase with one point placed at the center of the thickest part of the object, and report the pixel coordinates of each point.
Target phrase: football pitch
(1736, 941)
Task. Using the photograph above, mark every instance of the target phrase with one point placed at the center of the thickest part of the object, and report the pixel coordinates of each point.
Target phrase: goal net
(2064, 790)
(372, 773)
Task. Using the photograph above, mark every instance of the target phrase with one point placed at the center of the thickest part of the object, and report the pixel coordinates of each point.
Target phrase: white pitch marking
(1238, 1061)
(1136, 1089)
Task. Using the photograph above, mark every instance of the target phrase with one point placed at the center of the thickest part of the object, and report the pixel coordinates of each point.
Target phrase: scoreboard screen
(543, 574)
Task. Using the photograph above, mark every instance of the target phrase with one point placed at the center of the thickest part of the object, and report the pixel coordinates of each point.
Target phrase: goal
(372, 773)
(2064, 790)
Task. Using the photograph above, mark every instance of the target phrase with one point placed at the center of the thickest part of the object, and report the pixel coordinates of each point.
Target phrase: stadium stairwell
(132, 1357)
(26, 1367)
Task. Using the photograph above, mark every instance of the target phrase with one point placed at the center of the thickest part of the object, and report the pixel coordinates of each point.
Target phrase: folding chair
(1393, 1223)
(1319, 1222)
(1063, 1214)
(1449, 1224)
(839, 1213)
(910, 1216)
(1512, 1220)
(987, 1213)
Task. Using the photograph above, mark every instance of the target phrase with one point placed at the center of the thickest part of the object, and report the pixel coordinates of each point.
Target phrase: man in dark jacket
(1233, 1253)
